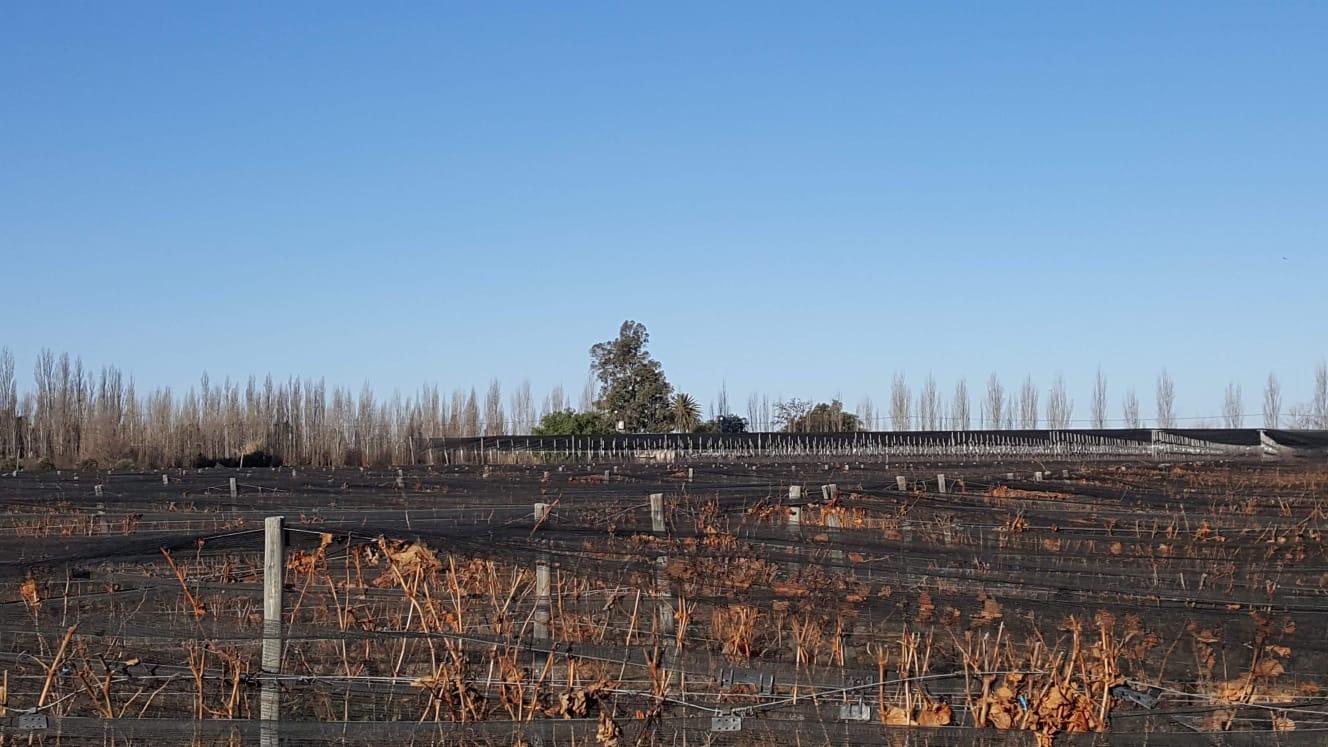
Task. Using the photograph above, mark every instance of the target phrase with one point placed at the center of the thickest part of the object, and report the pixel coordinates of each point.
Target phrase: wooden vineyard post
(902, 483)
(794, 530)
(657, 513)
(235, 489)
(657, 526)
(940, 483)
(542, 584)
(274, 564)
(832, 525)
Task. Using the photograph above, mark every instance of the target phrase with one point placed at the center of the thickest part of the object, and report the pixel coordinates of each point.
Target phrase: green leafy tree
(797, 417)
(724, 424)
(632, 385)
(572, 423)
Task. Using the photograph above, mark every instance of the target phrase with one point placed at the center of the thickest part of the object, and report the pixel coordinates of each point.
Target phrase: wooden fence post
(543, 606)
(274, 566)
(657, 513)
(667, 622)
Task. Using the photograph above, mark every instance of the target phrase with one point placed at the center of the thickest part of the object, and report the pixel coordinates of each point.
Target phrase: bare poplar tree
(900, 404)
(1232, 410)
(1319, 399)
(993, 407)
(523, 410)
(470, 415)
(588, 394)
(1272, 402)
(1130, 410)
(1028, 405)
(929, 405)
(753, 412)
(1011, 407)
(556, 401)
(959, 413)
(8, 405)
(1099, 407)
(1059, 404)
(1166, 400)
(866, 413)
(494, 423)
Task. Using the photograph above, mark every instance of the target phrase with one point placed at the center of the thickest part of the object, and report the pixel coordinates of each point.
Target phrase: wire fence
(709, 602)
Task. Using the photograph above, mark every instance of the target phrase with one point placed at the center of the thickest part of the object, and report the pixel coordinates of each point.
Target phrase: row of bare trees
(1028, 407)
(72, 414)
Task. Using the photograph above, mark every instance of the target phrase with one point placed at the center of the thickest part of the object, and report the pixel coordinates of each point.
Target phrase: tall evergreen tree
(632, 386)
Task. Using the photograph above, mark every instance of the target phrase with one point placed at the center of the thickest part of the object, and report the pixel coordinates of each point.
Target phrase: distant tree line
(73, 415)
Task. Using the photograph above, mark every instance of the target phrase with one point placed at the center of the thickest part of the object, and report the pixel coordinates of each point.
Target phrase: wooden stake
(540, 624)
(657, 513)
(274, 564)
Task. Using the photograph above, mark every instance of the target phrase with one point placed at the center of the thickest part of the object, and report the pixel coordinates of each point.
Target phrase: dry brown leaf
(926, 609)
(892, 716)
(935, 714)
(991, 610)
(30, 593)
(1000, 718)
(1269, 668)
(1236, 690)
(608, 733)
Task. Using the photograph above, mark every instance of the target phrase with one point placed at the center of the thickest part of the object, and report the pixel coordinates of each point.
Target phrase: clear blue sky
(800, 199)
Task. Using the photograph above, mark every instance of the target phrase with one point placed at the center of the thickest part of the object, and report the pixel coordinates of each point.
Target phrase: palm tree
(686, 413)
